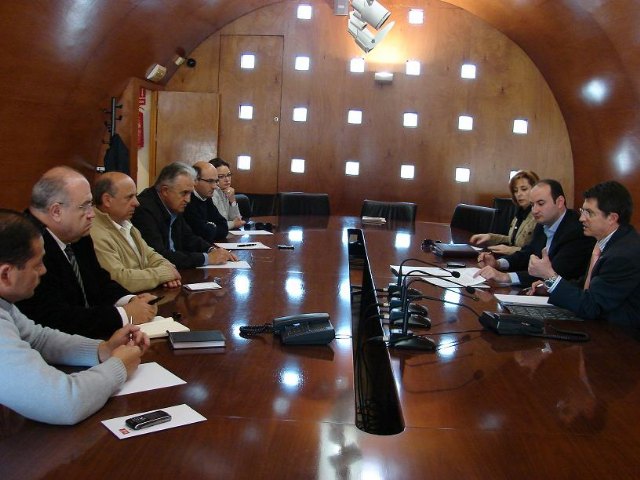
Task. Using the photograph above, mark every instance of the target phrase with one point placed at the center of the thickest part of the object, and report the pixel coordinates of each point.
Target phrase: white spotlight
(368, 12)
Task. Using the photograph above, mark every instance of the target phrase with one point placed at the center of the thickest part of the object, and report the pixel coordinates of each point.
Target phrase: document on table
(465, 279)
(241, 264)
(197, 287)
(180, 415)
(522, 299)
(250, 232)
(243, 246)
(149, 376)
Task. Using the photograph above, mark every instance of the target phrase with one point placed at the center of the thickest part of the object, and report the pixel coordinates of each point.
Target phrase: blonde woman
(523, 223)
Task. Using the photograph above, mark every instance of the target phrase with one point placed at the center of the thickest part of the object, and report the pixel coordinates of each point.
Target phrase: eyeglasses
(587, 213)
(85, 207)
(222, 177)
(210, 181)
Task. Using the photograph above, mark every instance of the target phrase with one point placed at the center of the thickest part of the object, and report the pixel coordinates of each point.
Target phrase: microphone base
(415, 321)
(411, 342)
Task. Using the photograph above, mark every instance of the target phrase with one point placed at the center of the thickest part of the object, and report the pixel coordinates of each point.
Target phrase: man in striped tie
(611, 287)
(76, 295)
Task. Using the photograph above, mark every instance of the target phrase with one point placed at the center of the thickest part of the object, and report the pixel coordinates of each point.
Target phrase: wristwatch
(548, 282)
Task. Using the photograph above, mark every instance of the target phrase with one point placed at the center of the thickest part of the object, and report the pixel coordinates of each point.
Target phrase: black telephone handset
(304, 329)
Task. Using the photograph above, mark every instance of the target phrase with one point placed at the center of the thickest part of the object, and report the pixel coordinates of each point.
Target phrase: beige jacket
(524, 235)
(118, 258)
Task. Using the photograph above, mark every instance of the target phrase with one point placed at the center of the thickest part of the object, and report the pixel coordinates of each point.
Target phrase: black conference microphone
(397, 305)
(418, 315)
(407, 340)
(404, 339)
(395, 287)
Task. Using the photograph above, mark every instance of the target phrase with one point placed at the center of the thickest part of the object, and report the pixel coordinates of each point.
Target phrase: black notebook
(196, 339)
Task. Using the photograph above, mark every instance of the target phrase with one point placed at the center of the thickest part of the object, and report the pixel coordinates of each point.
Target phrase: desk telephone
(304, 329)
(510, 324)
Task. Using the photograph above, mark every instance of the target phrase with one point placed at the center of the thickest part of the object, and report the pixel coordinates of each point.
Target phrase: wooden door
(186, 128)
(260, 88)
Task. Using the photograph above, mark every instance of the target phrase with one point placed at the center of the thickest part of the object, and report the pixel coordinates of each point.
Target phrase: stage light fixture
(368, 12)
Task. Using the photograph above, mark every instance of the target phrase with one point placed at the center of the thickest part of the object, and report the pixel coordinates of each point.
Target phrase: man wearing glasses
(611, 288)
(201, 214)
(224, 197)
(558, 231)
(161, 222)
(76, 295)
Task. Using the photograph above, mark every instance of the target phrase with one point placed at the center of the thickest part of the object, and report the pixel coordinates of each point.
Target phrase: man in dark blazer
(161, 222)
(201, 214)
(90, 304)
(558, 232)
(611, 288)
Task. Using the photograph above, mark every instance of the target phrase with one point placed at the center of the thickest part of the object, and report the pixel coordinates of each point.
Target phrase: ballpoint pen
(240, 245)
(130, 323)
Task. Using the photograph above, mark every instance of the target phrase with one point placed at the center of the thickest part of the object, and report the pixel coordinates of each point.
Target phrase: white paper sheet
(149, 376)
(522, 299)
(249, 232)
(230, 265)
(180, 415)
(243, 246)
(197, 287)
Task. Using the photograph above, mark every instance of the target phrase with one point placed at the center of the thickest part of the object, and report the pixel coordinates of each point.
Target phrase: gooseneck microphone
(404, 339)
(395, 287)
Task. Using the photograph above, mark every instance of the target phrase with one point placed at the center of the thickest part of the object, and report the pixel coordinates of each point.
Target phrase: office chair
(299, 203)
(473, 218)
(389, 210)
(244, 205)
(505, 211)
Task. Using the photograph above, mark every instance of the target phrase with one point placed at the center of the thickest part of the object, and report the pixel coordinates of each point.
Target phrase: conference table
(479, 406)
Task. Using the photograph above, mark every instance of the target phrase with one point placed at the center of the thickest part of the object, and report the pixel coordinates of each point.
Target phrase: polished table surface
(481, 406)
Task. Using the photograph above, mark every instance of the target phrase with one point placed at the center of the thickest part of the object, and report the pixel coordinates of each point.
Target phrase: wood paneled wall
(63, 60)
(508, 86)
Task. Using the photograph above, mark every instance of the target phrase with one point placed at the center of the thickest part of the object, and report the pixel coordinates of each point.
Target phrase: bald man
(201, 214)
(76, 295)
(119, 246)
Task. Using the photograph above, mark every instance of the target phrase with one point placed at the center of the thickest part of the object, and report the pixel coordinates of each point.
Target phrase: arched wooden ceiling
(63, 59)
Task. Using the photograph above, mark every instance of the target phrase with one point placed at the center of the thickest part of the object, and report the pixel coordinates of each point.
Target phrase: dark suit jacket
(614, 289)
(570, 251)
(205, 220)
(153, 219)
(58, 302)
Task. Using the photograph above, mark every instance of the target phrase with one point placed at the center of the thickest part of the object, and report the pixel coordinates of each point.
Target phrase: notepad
(196, 339)
(158, 327)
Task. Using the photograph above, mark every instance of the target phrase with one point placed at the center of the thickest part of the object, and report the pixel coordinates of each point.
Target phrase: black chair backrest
(262, 204)
(244, 205)
(299, 203)
(505, 211)
(473, 218)
(389, 210)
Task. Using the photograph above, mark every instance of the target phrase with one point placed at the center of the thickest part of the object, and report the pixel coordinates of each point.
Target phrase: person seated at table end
(224, 197)
(611, 288)
(30, 386)
(522, 225)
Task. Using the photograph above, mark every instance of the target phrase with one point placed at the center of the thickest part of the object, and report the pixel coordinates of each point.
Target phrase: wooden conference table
(481, 406)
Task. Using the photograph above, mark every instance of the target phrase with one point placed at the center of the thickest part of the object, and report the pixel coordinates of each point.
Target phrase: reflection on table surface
(481, 406)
